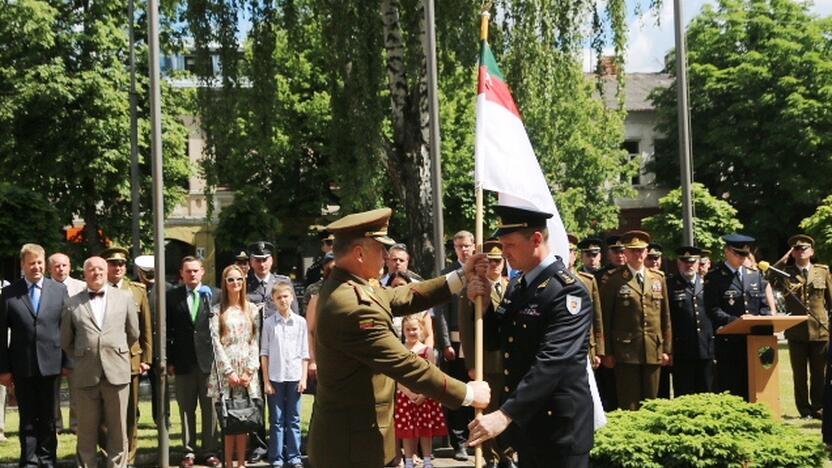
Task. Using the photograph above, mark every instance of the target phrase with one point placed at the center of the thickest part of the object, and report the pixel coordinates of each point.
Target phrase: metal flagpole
(685, 158)
(435, 142)
(134, 135)
(158, 221)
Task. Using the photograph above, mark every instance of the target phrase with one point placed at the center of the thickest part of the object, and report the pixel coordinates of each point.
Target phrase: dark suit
(693, 336)
(33, 355)
(191, 352)
(727, 298)
(544, 337)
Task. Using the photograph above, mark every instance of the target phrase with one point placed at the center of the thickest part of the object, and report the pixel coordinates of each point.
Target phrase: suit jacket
(446, 316)
(636, 319)
(359, 359)
(100, 352)
(693, 334)
(492, 360)
(142, 350)
(189, 343)
(30, 342)
(544, 337)
(727, 298)
(810, 296)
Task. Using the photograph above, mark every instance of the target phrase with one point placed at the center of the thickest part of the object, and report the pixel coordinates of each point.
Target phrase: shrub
(706, 430)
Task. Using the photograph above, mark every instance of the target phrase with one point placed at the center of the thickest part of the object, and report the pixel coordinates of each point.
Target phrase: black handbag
(239, 414)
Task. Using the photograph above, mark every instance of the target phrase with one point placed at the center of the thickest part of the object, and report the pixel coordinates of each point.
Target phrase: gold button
(505, 372)
(549, 413)
(511, 339)
(506, 389)
(524, 325)
(505, 355)
(698, 329)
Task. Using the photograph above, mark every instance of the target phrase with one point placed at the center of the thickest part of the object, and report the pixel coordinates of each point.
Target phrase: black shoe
(257, 457)
(491, 464)
(507, 464)
(460, 454)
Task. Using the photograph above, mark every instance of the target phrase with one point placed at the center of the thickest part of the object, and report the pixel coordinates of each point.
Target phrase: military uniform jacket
(142, 350)
(693, 334)
(596, 336)
(492, 359)
(259, 293)
(359, 359)
(727, 297)
(810, 296)
(636, 319)
(544, 337)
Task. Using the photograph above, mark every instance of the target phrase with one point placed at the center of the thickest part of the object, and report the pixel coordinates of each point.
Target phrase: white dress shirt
(284, 341)
(98, 304)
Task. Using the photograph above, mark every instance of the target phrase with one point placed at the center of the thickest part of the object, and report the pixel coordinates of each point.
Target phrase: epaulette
(360, 294)
(820, 265)
(658, 272)
(752, 268)
(565, 277)
(585, 274)
(138, 285)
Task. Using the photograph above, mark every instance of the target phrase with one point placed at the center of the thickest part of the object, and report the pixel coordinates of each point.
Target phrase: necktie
(499, 288)
(805, 272)
(34, 296)
(640, 279)
(194, 296)
(522, 283)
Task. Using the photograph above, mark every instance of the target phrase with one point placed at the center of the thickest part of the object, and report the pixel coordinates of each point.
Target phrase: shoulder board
(360, 294)
(134, 284)
(544, 283)
(751, 268)
(659, 272)
(564, 276)
(821, 266)
(585, 275)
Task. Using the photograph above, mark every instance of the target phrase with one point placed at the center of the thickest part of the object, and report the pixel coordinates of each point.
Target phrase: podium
(762, 355)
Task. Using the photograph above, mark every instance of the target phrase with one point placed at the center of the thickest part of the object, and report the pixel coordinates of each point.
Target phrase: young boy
(284, 358)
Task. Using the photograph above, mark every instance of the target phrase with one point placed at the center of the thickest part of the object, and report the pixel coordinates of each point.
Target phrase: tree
(819, 226)
(760, 76)
(712, 219)
(41, 226)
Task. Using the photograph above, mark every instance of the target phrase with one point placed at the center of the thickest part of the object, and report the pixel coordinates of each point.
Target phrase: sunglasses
(801, 247)
(234, 279)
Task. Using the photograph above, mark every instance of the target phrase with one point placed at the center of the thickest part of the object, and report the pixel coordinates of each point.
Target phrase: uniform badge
(657, 286)
(573, 304)
(626, 274)
(365, 324)
(624, 290)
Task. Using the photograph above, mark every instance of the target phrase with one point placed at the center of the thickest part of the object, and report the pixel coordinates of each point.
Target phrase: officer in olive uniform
(544, 320)
(614, 256)
(807, 292)
(495, 455)
(731, 291)
(693, 334)
(590, 254)
(636, 323)
(359, 356)
(596, 331)
(141, 353)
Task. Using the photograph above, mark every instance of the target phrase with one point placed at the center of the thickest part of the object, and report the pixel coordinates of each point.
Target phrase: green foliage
(760, 74)
(819, 226)
(712, 218)
(246, 221)
(41, 225)
(705, 430)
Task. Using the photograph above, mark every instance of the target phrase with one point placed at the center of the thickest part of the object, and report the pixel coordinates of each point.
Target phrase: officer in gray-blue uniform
(261, 280)
(731, 291)
(693, 334)
(546, 412)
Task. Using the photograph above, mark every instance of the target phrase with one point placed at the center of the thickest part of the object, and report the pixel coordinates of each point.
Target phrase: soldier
(693, 334)
(141, 353)
(704, 262)
(242, 260)
(496, 455)
(636, 322)
(590, 254)
(261, 280)
(544, 319)
(807, 292)
(654, 256)
(313, 273)
(731, 291)
(360, 358)
(596, 330)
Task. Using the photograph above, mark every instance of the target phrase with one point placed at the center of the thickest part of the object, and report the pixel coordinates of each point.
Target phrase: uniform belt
(455, 337)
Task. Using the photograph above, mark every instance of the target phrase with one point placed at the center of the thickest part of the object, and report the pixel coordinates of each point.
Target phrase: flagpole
(478, 306)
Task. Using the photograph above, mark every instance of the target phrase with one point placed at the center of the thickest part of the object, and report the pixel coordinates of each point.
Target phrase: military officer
(704, 262)
(731, 291)
(596, 331)
(313, 273)
(636, 323)
(242, 260)
(693, 334)
(359, 356)
(807, 292)
(496, 455)
(141, 353)
(544, 319)
(654, 256)
(261, 280)
(590, 254)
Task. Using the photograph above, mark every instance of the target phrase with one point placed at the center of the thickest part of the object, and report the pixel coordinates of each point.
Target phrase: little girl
(418, 419)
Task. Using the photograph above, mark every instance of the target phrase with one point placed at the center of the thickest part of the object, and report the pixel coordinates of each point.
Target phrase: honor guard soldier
(261, 280)
(359, 357)
(242, 260)
(495, 453)
(693, 334)
(654, 256)
(704, 262)
(596, 331)
(731, 291)
(636, 323)
(614, 256)
(807, 292)
(141, 353)
(544, 319)
(590, 254)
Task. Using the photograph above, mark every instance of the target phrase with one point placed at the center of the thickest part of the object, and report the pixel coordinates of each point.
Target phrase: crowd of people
(389, 355)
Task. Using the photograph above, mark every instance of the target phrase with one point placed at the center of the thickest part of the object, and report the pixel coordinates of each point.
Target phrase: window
(631, 146)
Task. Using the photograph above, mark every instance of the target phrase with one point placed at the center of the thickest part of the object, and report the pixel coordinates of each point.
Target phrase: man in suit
(636, 323)
(544, 319)
(191, 359)
(693, 334)
(731, 291)
(496, 455)
(807, 292)
(30, 353)
(360, 358)
(141, 353)
(446, 334)
(97, 330)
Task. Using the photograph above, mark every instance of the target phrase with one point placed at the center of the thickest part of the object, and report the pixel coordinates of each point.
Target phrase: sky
(648, 42)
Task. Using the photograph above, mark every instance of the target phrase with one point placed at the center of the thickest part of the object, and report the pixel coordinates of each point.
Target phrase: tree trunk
(408, 158)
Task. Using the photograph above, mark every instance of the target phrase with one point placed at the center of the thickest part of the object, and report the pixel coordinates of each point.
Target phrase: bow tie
(93, 295)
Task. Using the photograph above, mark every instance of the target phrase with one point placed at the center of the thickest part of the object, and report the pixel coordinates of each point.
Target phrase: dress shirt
(284, 342)
(534, 272)
(98, 304)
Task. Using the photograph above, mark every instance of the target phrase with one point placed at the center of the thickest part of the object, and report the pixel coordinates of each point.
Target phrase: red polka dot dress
(414, 421)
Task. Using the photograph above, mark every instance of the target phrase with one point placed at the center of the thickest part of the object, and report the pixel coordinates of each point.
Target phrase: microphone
(764, 266)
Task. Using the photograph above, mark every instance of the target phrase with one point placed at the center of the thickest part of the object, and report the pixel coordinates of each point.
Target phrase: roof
(637, 89)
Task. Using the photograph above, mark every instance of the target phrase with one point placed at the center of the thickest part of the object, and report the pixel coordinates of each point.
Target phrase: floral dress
(238, 351)
(414, 421)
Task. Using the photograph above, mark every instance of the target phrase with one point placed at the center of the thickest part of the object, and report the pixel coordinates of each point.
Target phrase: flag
(505, 160)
